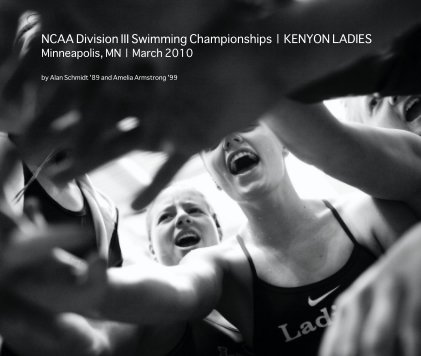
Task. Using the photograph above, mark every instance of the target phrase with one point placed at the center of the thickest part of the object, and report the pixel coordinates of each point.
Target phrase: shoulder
(375, 221)
(404, 139)
(104, 203)
(220, 255)
(225, 260)
(388, 154)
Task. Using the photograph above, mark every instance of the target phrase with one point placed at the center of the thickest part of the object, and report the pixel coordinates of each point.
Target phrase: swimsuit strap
(341, 222)
(349, 233)
(246, 252)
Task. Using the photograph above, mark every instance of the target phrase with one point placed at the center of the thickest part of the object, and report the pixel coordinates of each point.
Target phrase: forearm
(28, 331)
(152, 294)
(309, 131)
(381, 162)
(301, 63)
(144, 295)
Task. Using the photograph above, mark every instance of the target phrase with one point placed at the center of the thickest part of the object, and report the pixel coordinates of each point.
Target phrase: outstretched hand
(30, 251)
(63, 283)
(380, 312)
(86, 117)
(220, 89)
(180, 117)
(392, 72)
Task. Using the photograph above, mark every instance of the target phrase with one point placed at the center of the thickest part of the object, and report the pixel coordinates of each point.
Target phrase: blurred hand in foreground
(380, 313)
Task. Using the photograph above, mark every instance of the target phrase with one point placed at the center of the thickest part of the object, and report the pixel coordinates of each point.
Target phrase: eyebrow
(205, 207)
(165, 209)
(191, 202)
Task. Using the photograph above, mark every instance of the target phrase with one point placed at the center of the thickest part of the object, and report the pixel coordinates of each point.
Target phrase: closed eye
(164, 217)
(195, 211)
(250, 127)
(373, 102)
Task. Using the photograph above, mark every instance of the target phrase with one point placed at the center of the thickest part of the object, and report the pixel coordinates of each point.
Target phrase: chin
(252, 192)
(187, 251)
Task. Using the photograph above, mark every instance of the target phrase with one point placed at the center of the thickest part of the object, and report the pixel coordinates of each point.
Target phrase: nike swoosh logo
(313, 302)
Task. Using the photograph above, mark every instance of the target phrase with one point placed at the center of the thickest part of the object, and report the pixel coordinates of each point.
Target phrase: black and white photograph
(210, 178)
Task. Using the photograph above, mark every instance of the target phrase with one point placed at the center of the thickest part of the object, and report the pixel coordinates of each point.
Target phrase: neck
(278, 213)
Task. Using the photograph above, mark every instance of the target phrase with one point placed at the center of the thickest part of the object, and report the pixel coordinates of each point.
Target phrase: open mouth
(413, 109)
(242, 161)
(187, 239)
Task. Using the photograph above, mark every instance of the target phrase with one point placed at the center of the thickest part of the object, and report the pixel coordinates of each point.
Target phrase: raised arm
(380, 311)
(147, 293)
(154, 294)
(256, 76)
(384, 163)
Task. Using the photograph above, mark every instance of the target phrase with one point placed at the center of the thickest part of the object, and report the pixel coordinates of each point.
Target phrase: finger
(73, 269)
(333, 334)
(106, 115)
(46, 284)
(389, 73)
(17, 314)
(29, 28)
(25, 68)
(28, 47)
(79, 130)
(59, 136)
(9, 160)
(97, 271)
(99, 125)
(7, 225)
(33, 212)
(96, 283)
(410, 326)
(379, 334)
(85, 279)
(161, 179)
(55, 101)
(95, 156)
(26, 248)
(9, 15)
(344, 82)
(343, 336)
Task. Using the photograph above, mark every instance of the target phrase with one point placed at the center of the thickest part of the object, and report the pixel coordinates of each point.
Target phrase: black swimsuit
(54, 213)
(202, 338)
(291, 321)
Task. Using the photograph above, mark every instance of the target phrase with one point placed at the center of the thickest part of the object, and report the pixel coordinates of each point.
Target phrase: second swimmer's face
(180, 221)
(247, 164)
(398, 112)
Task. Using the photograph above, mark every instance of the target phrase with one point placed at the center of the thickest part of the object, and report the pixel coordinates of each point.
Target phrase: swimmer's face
(399, 112)
(180, 221)
(247, 164)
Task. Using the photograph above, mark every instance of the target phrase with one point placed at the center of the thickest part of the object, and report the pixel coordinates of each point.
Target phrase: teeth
(187, 236)
(237, 156)
(241, 154)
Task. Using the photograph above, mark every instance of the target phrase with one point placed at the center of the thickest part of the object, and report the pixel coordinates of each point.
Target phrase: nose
(183, 220)
(232, 141)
